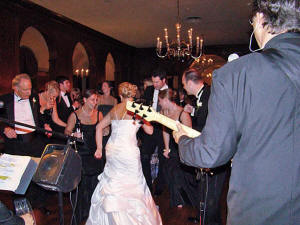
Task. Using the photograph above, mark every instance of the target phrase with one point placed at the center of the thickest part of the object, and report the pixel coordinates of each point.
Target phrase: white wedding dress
(122, 196)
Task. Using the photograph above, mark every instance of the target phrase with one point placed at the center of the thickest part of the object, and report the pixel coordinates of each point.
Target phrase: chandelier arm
(160, 55)
(197, 57)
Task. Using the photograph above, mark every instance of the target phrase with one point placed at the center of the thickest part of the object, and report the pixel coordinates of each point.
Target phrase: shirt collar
(200, 91)
(62, 93)
(18, 98)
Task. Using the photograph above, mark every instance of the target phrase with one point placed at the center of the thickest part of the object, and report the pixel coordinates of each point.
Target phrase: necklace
(91, 113)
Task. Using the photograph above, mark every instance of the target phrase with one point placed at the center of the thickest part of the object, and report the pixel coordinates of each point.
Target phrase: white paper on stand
(16, 172)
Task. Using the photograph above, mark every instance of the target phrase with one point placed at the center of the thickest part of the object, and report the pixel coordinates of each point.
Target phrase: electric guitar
(149, 114)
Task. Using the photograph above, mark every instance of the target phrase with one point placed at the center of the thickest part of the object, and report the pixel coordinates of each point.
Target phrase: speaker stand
(61, 208)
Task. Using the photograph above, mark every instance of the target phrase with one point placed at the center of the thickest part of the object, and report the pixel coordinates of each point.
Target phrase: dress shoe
(194, 220)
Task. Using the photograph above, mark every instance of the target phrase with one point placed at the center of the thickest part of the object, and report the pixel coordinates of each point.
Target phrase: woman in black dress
(82, 124)
(173, 168)
(105, 103)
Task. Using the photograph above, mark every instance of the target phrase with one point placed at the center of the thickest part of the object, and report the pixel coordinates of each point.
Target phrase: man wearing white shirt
(23, 107)
(150, 142)
(64, 102)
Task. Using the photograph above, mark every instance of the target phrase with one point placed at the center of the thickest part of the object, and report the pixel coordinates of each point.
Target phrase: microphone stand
(42, 130)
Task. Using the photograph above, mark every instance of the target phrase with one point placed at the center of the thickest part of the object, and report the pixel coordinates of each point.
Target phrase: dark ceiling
(139, 22)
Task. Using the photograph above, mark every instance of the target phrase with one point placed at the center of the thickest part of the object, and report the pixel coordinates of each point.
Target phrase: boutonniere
(199, 104)
(33, 100)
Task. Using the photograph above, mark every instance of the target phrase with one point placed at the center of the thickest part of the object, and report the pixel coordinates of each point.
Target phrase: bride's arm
(99, 134)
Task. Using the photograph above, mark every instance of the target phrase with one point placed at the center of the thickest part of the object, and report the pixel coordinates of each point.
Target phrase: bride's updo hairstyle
(127, 90)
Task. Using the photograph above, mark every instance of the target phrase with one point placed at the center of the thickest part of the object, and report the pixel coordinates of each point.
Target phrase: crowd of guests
(65, 110)
(259, 134)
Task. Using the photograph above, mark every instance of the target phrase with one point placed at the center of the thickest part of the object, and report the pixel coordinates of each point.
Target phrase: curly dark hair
(279, 15)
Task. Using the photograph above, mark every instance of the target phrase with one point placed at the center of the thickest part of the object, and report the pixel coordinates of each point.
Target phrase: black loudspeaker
(59, 169)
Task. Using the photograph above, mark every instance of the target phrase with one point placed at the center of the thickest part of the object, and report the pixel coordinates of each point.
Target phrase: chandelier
(180, 48)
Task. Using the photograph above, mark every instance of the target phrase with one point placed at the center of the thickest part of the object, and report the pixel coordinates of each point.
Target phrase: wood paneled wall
(62, 34)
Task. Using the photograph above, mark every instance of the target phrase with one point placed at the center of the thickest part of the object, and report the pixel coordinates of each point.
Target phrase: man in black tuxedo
(21, 106)
(150, 142)
(213, 179)
(64, 102)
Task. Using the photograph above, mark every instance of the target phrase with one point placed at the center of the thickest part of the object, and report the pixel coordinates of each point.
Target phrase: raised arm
(55, 117)
(70, 124)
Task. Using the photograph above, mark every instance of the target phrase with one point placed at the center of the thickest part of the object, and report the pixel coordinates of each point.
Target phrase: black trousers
(149, 143)
(31, 144)
(211, 186)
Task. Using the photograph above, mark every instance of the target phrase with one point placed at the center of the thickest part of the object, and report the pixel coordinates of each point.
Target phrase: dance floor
(170, 216)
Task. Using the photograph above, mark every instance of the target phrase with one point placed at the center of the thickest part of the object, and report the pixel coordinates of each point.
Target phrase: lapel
(34, 106)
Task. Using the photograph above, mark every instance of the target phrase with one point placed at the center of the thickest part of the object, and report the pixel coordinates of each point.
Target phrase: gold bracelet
(167, 150)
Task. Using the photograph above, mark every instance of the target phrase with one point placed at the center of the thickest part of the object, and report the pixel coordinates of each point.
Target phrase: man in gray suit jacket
(254, 119)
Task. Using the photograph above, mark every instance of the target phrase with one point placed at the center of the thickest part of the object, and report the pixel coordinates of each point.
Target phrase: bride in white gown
(122, 196)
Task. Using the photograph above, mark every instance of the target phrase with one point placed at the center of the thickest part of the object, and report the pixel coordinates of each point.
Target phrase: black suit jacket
(8, 112)
(199, 118)
(63, 110)
(254, 118)
(17, 146)
(148, 95)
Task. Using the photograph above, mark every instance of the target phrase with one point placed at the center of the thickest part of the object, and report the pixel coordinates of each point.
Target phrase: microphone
(1, 104)
(232, 57)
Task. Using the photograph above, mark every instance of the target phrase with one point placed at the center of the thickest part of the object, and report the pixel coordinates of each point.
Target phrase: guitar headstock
(146, 112)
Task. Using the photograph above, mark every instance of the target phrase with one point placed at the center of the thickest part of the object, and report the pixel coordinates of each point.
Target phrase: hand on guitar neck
(149, 114)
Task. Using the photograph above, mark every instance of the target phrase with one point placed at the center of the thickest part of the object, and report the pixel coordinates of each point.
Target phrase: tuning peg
(141, 107)
(149, 110)
(133, 105)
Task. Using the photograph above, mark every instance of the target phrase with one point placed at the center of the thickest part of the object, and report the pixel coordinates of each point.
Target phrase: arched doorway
(110, 68)
(34, 56)
(81, 69)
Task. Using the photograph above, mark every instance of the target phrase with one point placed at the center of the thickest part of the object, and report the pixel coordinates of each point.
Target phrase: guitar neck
(172, 124)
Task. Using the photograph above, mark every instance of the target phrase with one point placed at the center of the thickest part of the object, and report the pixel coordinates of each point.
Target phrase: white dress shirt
(65, 98)
(23, 114)
(155, 96)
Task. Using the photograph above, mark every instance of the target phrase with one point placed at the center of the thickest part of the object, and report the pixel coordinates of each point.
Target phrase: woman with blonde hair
(122, 195)
(47, 101)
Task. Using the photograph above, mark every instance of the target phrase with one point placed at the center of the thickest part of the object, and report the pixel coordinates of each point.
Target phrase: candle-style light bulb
(157, 43)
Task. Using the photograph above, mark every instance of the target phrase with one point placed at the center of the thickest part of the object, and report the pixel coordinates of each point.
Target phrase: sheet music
(12, 168)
